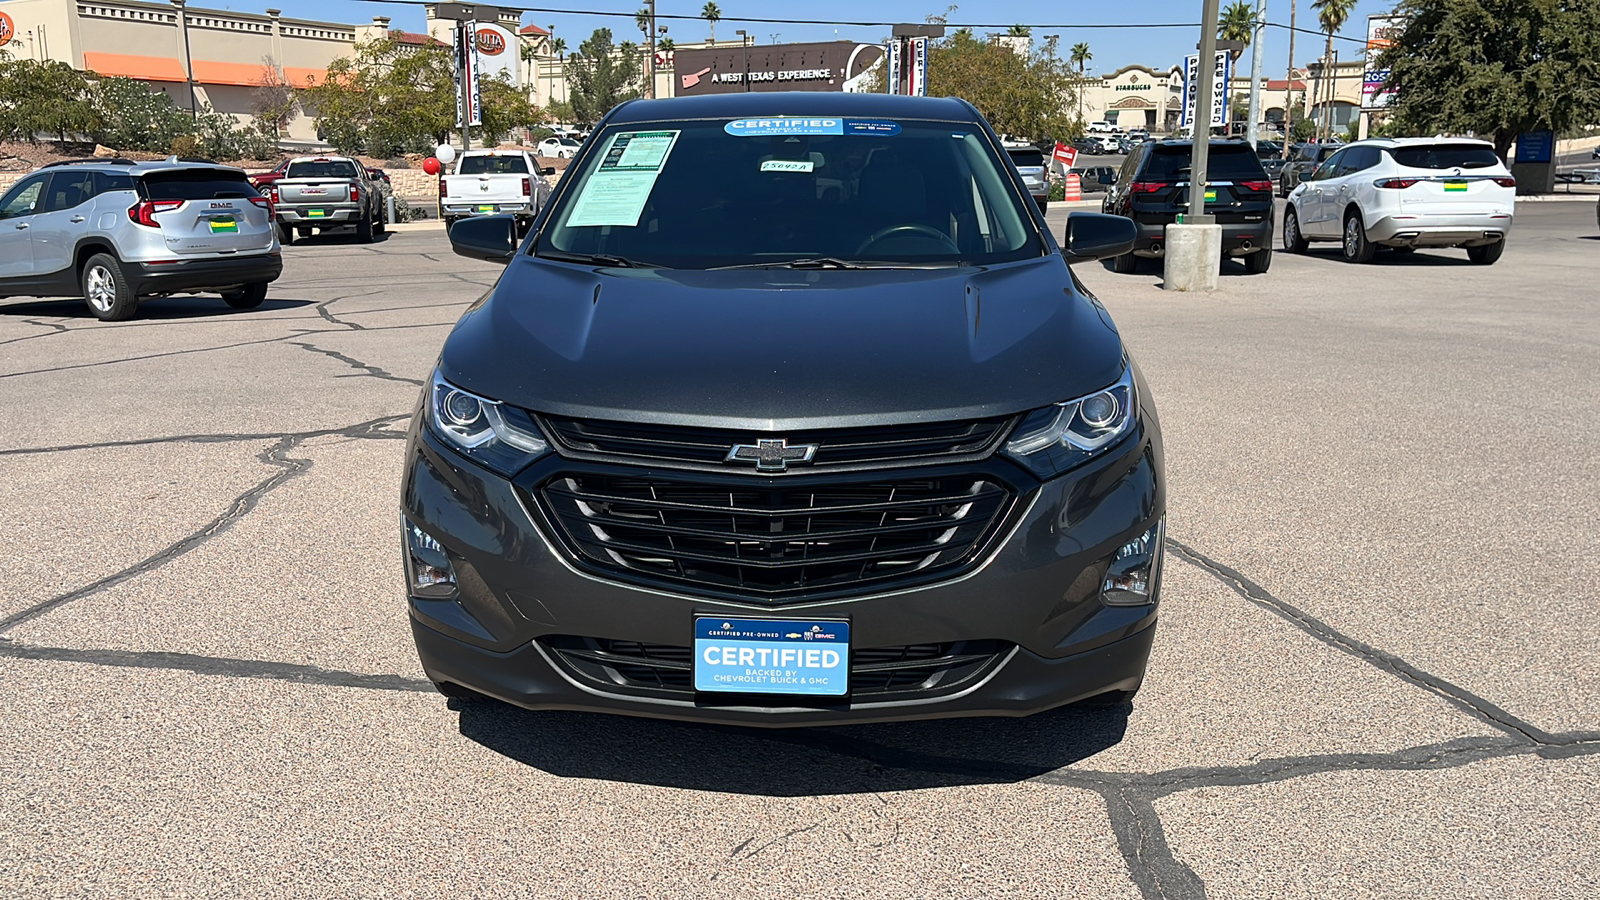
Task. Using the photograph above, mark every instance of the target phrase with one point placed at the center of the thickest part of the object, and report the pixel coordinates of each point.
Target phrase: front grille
(780, 540)
(837, 448)
(874, 672)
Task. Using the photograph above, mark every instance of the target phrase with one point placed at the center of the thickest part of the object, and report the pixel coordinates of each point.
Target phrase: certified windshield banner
(794, 125)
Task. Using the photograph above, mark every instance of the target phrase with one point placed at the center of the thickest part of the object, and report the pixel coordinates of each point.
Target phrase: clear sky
(1112, 47)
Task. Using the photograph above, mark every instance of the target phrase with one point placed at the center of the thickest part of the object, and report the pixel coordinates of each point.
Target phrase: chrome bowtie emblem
(771, 456)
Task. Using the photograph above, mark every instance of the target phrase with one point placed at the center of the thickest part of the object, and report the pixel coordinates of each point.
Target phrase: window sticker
(787, 165)
(794, 125)
(616, 192)
(871, 126)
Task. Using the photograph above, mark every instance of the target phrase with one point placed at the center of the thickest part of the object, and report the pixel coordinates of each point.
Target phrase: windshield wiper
(599, 259)
(831, 262)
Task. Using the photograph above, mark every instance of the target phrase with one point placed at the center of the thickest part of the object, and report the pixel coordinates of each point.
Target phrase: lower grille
(778, 540)
(874, 672)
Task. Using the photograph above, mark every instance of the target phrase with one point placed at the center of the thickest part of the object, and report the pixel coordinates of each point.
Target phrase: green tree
(711, 12)
(1238, 23)
(602, 76)
(1495, 68)
(1019, 31)
(134, 117)
(49, 99)
(1026, 97)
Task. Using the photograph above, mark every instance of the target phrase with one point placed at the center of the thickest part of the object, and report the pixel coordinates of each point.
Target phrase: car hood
(772, 349)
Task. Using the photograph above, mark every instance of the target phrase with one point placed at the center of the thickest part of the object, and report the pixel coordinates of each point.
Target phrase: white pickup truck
(494, 182)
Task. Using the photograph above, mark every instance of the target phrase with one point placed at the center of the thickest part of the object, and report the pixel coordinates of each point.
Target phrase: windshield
(704, 194)
(1226, 162)
(1445, 156)
(492, 165)
(324, 168)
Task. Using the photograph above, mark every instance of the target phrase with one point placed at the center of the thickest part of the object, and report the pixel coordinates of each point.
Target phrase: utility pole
(1288, 87)
(1257, 54)
(650, 53)
(1205, 75)
(1193, 256)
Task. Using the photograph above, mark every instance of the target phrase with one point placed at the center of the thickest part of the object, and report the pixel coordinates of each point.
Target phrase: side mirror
(1092, 236)
(548, 170)
(489, 238)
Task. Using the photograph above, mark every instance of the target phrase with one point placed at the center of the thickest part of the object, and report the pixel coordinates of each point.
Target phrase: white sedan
(558, 148)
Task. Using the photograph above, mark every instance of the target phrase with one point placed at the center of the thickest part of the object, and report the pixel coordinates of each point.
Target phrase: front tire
(1357, 248)
(1487, 254)
(106, 289)
(1293, 240)
(1126, 264)
(285, 235)
(248, 297)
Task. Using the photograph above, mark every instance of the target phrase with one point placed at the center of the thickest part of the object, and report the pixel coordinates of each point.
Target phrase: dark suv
(787, 411)
(1152, 189)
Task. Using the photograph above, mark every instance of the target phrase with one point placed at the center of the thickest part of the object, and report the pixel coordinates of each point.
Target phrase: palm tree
(642, 19)
(558, 49)
(1238, 23)
(711, 13)
(1331, 15)
(1079, 56)
(1019, 31)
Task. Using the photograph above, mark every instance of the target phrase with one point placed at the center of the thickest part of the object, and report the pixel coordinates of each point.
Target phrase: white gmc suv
(1405, 193)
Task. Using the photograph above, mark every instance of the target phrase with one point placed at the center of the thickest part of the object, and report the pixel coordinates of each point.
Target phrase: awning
(148, 68)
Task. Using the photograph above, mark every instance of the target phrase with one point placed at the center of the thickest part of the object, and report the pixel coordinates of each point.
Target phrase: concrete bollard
(1193, 258)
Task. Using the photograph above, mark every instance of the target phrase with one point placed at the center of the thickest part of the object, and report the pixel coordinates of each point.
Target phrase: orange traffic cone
(1074, 188)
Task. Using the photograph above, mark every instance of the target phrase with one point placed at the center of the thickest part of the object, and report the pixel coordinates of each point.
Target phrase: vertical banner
(919, 67)
(1221, 75)
(469, 106)
(1380, 34)
(895, 65)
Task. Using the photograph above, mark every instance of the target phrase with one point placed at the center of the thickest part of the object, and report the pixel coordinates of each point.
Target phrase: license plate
(1455, 187)
(772, 656)
(486, 209)
(315, 213)
(224, 225)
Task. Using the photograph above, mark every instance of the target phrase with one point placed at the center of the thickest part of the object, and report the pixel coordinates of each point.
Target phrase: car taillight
(1256, 185)
(264, 203)
(1397, 183)
(272, 193)
(144, 213)
(527, 187)
(444, 187)
(355, 193)
(1506, 182)
(1149, 187)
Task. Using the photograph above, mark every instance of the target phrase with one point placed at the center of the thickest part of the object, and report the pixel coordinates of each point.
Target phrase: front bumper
(204, 274)
(1238, 238)
(1034, 597)
(1458, 230)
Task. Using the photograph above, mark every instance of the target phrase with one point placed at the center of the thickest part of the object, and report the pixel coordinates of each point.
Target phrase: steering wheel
(892, 230)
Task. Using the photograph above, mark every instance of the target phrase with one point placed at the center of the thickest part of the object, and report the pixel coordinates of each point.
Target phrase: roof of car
(1421, 141)
(793, 103)
(135, 167)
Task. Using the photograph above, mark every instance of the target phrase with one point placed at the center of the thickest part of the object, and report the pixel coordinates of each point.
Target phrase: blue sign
(783, 126)
(1535, 146)
(772, 656)
(793, 125)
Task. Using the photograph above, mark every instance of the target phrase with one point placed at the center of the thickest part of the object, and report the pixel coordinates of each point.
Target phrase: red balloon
(431, 166)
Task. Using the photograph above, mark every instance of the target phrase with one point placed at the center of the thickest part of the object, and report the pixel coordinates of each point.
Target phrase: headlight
(502, 438)
(1056, 438)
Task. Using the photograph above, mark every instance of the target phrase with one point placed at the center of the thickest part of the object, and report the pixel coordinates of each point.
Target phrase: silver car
(113, 231)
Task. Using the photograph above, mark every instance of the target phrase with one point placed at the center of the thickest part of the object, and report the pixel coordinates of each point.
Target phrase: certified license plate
(772, 656)
(486, 209)
(224, 225)
(315, 213)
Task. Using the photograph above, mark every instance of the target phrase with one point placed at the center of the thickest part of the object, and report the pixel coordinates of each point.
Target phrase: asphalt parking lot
(1376, 673)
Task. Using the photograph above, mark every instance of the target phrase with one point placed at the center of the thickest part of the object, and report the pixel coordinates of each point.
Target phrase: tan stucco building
(1134, 97)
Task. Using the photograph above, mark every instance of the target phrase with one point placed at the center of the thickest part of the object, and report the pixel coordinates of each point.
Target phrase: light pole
(1257, 54)
(1193, 251)
(744, 53)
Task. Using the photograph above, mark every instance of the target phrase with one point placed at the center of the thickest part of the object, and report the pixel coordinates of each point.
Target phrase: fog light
(427, 565)
(1135, 571)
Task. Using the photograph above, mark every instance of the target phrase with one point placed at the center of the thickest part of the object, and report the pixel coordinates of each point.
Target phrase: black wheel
(106, 289)
(1044, 205)
(1357, 248)
(1126, 264)
(1258, 262)
(1293, 240)
(286, 235)
(248, 297)
(380, 225)
(364, 230)
(1487, 254)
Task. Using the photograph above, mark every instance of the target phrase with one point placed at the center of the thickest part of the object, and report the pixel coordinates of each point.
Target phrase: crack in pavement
(59, 329)
(371, 434)
(1457, 696)
(367, 370)
(215, 666)
(322, 310)
(297, 332)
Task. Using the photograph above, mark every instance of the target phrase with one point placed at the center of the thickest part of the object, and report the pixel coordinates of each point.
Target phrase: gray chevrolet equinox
(787, 411)
(114, 231)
